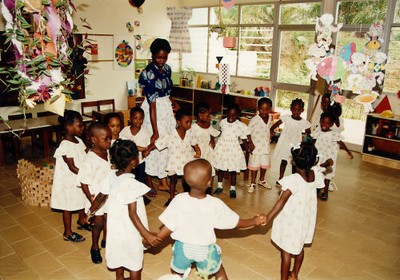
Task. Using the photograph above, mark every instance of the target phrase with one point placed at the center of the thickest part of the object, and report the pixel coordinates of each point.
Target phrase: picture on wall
(124, 52)
(142, 46)
(140, 64)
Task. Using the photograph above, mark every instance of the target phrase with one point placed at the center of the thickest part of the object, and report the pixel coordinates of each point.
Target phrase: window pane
(362, 12)
(284, 99)
(199, 16)
(173, 61)
(228, 16)
(257, 14)
(293, 53)
(197, 59)
(217, 49)
(347, 37)
(392, 78)
(397, 13)
(255, 52)
(300, 13)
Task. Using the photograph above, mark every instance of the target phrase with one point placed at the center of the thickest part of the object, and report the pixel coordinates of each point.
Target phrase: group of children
(84, 181)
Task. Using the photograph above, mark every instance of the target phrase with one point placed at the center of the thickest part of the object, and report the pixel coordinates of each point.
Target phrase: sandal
(152, 193)
(324, 196)
(74, 237)
(85, 226)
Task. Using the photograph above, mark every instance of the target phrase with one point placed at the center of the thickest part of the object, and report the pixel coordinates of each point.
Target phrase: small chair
(54, 131)
(105, 102)
(93, 105)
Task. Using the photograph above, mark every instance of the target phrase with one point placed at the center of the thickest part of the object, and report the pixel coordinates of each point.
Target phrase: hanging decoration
(352, 73)
(39, 32)
(228, 4)
(224, 77)
(179, 36)
(137, 4)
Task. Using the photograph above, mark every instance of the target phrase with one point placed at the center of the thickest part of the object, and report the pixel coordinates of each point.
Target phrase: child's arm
(85, 189)
(71, 164)
(344, 147)
(250, 144)
(164, 232)
(97, 202)
(212, 142)
(274, 126)
(308, 132)
(278, 205)
(259, 219)
(150, 237)
(327, 163)
(197, 150)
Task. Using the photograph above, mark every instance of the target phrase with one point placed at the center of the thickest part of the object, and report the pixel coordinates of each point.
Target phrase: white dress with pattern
(124, 242)
(66, 193)
(203, 136)
(290, 137)
(294, 226)
(228, 155)
(260, 134)
(141, 139)
(180, 151)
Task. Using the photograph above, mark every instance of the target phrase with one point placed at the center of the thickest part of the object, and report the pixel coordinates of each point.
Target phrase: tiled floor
(357, 234)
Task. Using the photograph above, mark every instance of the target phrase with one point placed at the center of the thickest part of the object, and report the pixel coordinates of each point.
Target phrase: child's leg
(67, 219)
(282, 168)
(254, 176)
(221, 274)
(172, 180)
(103, 241)
(163, 184)
(232, 180)
(324, 195)
(298, 261)
(135, 275)
(220, 175)
(94, 249)
(262, 174)
(285, 264)
(82, 217)
(119, 273)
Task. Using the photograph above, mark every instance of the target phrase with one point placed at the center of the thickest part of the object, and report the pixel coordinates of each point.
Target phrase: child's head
(124, 153)
(305, 155)
(335, 109)
(183, 119)
(71, 122)
(264, 106)
(100, 136)
(233, 112)
(325, 101)
(136, 117)
(114, 122)
(202, 112)
(197, 174)
(326, 121)
(297, 107)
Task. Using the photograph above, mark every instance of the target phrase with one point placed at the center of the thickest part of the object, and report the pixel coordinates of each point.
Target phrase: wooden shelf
(383, 138)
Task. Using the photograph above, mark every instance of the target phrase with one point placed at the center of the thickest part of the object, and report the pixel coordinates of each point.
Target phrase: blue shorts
(207, 258)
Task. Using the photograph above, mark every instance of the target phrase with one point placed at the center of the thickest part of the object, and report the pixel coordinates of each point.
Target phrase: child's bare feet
(292, 276)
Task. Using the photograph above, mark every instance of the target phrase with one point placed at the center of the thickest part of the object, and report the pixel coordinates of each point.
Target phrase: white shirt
(141, 139)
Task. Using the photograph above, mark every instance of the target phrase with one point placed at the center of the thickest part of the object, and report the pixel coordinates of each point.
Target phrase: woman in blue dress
(155, 80)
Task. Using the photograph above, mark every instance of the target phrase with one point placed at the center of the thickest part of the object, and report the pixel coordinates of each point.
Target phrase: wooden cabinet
(135, 101)
(382, 141)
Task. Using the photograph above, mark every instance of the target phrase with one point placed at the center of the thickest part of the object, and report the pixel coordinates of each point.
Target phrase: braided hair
(305, 156)
(297, 101)
(69, 118)
(123, 152)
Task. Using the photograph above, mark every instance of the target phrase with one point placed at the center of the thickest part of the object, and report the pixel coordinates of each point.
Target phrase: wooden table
(41, 125)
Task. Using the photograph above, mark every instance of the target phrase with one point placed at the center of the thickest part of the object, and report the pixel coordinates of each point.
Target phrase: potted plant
(186, 76)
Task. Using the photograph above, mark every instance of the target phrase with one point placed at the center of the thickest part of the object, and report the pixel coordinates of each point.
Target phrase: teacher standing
(155, 80)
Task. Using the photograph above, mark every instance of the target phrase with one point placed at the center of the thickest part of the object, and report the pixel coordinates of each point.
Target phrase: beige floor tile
(78, 262)
(27, 248)
(5, 249)
(43, 264)
(30, 220)
(12, 265)
(7, 220)
(8, 200)
(14, 234)
(17, 210)
(43, 232)
(61, 274)
(96, 273)
(58, 247)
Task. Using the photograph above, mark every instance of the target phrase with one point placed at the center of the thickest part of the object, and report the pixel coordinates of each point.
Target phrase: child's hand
(152, 239)
(212, 143)
(261, 219)
(349, 154)
(251, 147)
(145, 153)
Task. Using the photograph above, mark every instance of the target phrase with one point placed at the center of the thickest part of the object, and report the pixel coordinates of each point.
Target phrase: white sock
(233, 188)
(219, 186)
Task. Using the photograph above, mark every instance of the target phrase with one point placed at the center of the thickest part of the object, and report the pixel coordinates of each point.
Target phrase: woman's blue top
(154, 83)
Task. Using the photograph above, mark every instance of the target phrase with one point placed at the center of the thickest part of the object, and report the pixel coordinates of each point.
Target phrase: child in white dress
(114, 122)
(91, 175)
(259, 140)
(127, 219)
(291, 134)
(66, 195)
(228, 154)
(205, 133)
(191, 219)
(328, 143)
(182, 148)
(295, 212)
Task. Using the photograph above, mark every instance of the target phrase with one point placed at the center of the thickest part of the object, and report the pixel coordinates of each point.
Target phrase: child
(127, 219)
(228, 155)
(325, 103)
(91, 174)
(291, 134)
(328, 143)
(65, 194)
(141, 137)
(181, 148)
(296, 209)
(259, 139)
(114, 122)
(205, 133)
(191, 218)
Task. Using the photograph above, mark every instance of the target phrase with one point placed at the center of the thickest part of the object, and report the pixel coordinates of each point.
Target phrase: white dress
(328, 147)
(157, 160)
(92, 174)
(294, 226)
(228, 155)
(141, 139)
(290, 137)
(203, 136)
(180, 151)
(66, 193)
(260, 134)
(124, 242)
